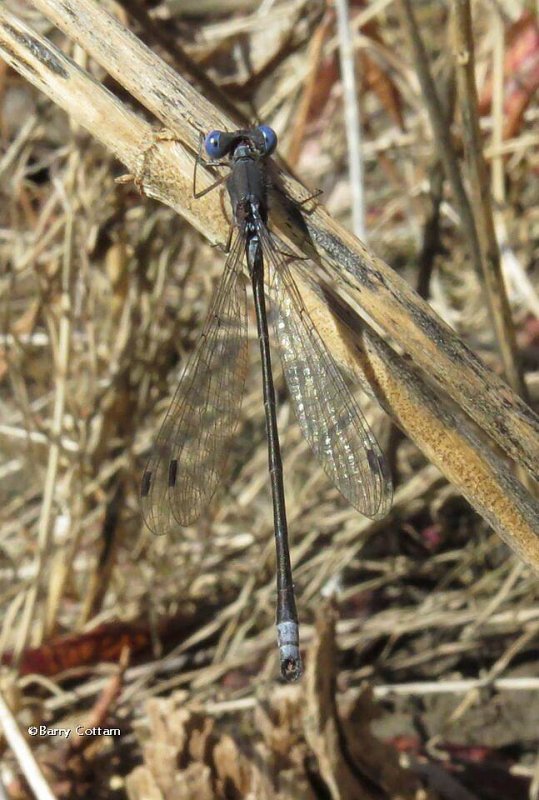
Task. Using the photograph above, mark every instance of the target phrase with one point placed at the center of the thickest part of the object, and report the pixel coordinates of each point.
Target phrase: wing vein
(204, 411)
(328, 414)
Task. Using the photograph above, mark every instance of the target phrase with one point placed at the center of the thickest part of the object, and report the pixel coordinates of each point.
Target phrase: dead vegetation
(422, 675)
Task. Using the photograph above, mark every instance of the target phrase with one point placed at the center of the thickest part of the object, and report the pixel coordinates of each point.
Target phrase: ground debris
(300, 741)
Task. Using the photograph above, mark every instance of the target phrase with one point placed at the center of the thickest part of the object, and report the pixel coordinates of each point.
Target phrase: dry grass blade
(481, 200)
(25, 757)
(474, 217)
(352, 117)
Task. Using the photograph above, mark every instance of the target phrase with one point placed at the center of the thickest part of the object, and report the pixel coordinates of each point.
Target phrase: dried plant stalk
(481, 199)
(474, 219)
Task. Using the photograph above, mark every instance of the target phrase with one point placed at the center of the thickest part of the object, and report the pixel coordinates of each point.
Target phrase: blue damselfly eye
(270, 138)
(216, 144)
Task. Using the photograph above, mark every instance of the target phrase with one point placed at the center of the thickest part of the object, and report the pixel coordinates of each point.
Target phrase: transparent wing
(190, 451)
(328, 414)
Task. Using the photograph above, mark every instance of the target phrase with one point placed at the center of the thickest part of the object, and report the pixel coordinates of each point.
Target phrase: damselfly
(189, 454)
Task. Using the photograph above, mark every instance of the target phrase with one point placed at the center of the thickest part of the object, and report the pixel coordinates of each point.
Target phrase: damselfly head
(260, 141)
